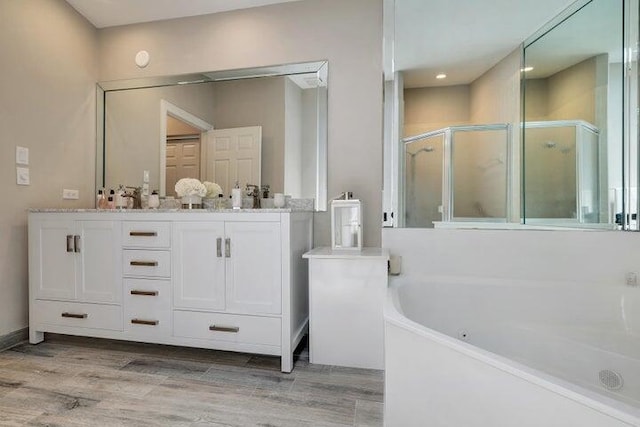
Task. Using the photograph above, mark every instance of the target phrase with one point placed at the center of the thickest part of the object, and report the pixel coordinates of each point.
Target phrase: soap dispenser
(236, 196)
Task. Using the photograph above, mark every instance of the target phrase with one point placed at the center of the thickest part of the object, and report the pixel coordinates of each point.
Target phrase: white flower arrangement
(213, 189)
(190, 187)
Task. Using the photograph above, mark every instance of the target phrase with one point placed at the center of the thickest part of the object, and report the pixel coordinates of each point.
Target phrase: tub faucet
(254, 191)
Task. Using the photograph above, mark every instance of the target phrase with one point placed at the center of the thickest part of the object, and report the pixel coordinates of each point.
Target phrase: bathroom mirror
(566, 156)
(572, 132)
(265, 126)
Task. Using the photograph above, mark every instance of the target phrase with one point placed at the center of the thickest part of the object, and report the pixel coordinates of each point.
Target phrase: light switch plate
(22, 155)
(70, 194)
(22, 176)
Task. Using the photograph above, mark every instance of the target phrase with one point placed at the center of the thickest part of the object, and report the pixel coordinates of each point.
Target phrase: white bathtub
(462, 352)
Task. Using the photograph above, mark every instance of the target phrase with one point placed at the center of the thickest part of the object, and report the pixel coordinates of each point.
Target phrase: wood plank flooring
(71, 381)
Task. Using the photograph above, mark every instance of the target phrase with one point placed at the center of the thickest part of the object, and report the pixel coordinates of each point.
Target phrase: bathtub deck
(70, 381)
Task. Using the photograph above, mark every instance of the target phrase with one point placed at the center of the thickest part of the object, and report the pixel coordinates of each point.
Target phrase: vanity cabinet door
(52, 260)
(99, 267)
(198, 265)
(75, 260)
(254, 267)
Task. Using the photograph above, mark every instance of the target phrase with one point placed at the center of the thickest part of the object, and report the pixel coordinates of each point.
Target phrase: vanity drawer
(147, 307)
(146, 263)
(227, 327)
(80, 315)
(146, 234)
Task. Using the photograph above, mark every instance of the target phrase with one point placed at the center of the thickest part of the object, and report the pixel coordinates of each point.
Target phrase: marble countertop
(150, 211)
(293, 205)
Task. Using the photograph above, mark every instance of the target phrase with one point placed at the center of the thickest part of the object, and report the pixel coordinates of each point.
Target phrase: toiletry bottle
(220, 202)
(120, 200)
(111, 204)
(99, 199)
(104, 203)
(154, 200)
(236, 196)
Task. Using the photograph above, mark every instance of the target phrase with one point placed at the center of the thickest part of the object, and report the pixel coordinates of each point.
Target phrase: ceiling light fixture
(441, 76)
(526, 69)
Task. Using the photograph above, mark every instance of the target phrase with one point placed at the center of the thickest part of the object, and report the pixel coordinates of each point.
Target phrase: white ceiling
(462, 38)
(110, 13)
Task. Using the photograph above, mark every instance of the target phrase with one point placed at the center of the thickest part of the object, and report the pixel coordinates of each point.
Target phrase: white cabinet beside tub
(229, 281)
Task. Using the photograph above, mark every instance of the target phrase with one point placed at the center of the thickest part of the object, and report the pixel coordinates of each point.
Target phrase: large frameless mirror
(573, 119)
(262, 126)
(541, 132)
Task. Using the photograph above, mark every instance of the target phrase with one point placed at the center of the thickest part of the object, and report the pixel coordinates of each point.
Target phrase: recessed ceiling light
(441, 76)
(526, 69)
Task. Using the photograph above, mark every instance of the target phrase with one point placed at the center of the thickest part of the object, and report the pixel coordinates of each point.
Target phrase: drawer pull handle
(219, 247)
(227, 247)
(75, 315)
(76, 243)
(145, 293)
(144, 263)
(69, 243)
(143, 233)
(217, 328)
(145, 322)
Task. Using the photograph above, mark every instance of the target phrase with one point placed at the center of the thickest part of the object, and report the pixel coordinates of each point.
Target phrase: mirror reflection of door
(234, 154)
(183, 152)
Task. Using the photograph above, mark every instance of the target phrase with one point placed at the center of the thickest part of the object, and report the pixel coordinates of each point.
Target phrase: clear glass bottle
(100, 199)
(220, 202)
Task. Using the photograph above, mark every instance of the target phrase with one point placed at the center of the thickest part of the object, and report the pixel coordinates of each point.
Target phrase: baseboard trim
(13, 338)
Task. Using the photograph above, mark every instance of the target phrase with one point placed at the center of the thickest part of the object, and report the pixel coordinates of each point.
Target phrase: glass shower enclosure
(561, 173)
(456, 174)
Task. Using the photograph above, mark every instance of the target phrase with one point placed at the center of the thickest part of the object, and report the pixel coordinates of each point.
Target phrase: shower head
(427, 149)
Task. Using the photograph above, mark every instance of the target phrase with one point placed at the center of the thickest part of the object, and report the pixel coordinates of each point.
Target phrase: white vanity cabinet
(74, 270)
(222, 280)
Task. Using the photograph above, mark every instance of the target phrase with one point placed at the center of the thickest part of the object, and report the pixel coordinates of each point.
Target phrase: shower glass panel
(458, 173)
(479, 174)
(561, 173)
(423, 181)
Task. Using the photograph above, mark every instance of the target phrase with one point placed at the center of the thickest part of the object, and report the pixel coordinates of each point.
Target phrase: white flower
(213, 189)
(190, 187)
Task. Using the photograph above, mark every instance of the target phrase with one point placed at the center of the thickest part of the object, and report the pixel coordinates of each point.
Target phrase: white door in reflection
(183, 161)
(234, 154)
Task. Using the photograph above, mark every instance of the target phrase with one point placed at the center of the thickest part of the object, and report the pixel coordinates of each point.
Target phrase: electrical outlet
(22, 176)
(631, 278)
(70, 194)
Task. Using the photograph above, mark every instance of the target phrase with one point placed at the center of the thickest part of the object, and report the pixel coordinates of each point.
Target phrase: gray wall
(47, 104)
(346, 33)
(132, 128)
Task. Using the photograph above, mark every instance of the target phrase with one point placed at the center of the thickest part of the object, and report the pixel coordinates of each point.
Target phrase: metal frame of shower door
(447, 181)
(409, 140)
(582, 128)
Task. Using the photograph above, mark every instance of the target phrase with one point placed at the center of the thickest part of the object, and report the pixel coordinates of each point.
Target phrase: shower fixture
(427, 149)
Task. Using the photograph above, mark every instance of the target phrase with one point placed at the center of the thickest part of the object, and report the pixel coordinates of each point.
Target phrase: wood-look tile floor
(70, 381)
